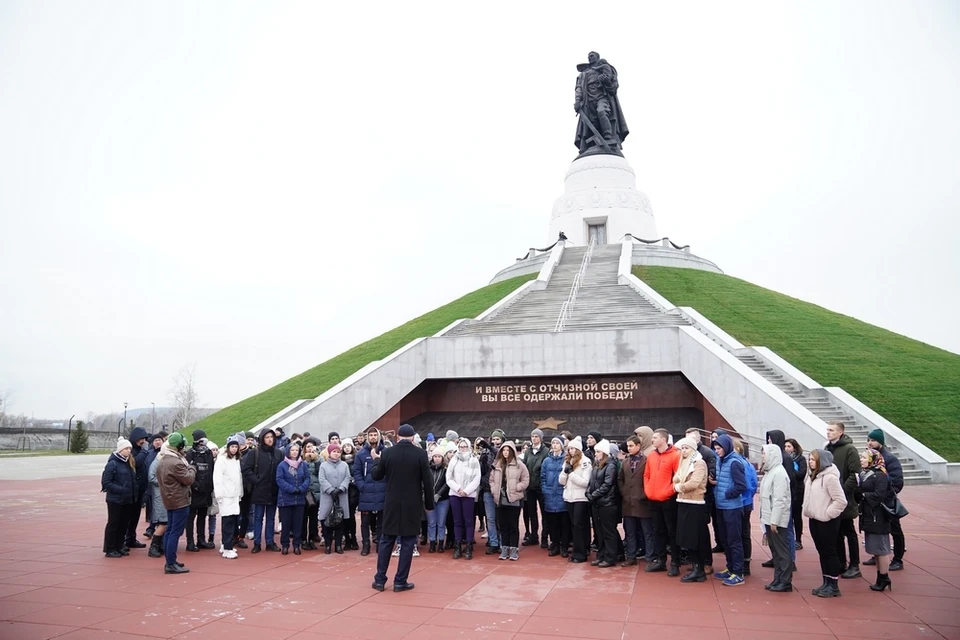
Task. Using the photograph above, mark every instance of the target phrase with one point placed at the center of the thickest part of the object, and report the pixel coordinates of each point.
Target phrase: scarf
(634, 462)
(294, 463)
(875, 461)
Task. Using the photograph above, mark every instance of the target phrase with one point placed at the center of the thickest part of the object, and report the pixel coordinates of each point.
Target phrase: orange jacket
(658, 474)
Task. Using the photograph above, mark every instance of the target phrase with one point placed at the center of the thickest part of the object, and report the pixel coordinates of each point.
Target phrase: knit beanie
(250, 434)
(332, 435)
(877, 435)
(498, 433)
(123, 443)
(576, 443)
(431, 438)
(537, 432)
(176, 441)
(603, 447)
(333, 446)
(560, 440)
(199, 434)
(452, 436)
(688, 442)
(596, 435)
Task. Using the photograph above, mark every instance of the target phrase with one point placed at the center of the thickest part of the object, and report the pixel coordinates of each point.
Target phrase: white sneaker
(250, 535)
(229, 554)
(278, 528)
(484, 535)
(416, 552)
(222, 549)
(396, 551)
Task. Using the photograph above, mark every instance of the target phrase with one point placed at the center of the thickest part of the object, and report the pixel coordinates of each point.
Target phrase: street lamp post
(153, 416)
(124, 418)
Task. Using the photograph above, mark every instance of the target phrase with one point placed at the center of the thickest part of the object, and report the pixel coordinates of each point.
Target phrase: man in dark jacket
(534, 460)
(259, 469)
(876, 440)
(847, 459)
(201, 459)
(372, 492)
(776, 437)
(406, 472)
(138, 438)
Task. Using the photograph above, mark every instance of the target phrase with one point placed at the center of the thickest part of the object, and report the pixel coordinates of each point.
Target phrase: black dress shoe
(240, 543)
(124, 551)
(406, 586)
(192, 548)
(781, 588)
(113, 554)
(869, 562)
(594, 563)
(576, 560)
(284, 551)
(272, 547)
(378, 586)
(135, 544)
(605, 564)
(852, 572)
(207, 545)
(896, 565)
(256, 549)
(175, 568)
(767, 564)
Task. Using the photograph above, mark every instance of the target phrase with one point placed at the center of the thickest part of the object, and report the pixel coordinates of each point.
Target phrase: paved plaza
(56, 583)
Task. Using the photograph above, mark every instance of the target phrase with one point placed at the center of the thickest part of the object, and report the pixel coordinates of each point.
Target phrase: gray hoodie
(774, 489)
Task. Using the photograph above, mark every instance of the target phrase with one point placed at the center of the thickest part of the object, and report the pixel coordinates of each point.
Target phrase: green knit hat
(877, 435)
(498, 433)
(176, 441)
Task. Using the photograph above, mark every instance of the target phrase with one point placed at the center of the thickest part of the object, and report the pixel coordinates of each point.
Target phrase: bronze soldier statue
(602, 127)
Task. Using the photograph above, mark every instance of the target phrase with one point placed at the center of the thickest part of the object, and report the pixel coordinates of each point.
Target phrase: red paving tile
(75, 593)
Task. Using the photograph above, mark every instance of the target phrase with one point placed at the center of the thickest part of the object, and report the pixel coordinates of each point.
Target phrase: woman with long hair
(794, 453)
(823, 502)
(119, 482)
(311, 513)
(575, 478)
(437, 519)
(509, 479)
(463, 479)
(348, 453)
(690, 483)
(228, 489)
(602, 496)
(873, 492)
(292, 484)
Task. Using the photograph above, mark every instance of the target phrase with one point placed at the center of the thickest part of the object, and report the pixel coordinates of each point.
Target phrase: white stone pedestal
(601, 190)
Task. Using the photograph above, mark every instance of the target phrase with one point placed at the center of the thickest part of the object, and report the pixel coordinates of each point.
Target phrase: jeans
(825, 536)
(437, 521)
(579, 528)
(462, 518)
(848, 532)
(176, 521)
(665, 526)
(731, 522)
(291, 522)
(212, 529)
(792, 539)
(259, 511)
(385, 549)
(490, 508)
(509, 519)
(228, 531)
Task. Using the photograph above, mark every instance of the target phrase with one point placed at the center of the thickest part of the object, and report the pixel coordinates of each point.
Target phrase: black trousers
(665, 527)
(899, 542)
(508, 519)
(534, 500)
(291, 521)
(198, 516)
(825, 536)
(558, 524)
(848, 532)
(796, 509)
(243, 520)
(579, 528)
(745, 534)
(311, 522)
(228, 530)
(133, 521)
(118, 518)
(608, 540)
(369, 521)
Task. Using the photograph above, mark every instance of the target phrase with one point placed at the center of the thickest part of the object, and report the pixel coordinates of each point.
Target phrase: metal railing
(567, 306)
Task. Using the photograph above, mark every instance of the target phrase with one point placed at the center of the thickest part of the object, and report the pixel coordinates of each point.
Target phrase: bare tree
(184, 396)
(4, 406)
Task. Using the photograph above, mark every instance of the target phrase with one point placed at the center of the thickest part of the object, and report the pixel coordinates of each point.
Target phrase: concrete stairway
(601, 303)
(826, 411)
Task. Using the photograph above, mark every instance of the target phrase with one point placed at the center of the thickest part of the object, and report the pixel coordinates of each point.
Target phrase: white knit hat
(576, 443)
(123, 443)
(604, 446)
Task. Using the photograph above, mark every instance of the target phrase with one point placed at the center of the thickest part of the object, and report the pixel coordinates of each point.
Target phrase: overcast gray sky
(256, 187)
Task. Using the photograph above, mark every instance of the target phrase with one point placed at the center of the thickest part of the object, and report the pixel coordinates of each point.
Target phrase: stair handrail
(566, 307)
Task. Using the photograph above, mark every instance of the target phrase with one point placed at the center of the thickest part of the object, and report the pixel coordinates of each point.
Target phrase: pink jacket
(823, 498)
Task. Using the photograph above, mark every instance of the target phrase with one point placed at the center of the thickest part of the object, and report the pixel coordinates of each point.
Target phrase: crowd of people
(573, 496)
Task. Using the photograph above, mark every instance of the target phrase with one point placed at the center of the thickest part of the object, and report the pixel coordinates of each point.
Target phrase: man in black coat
(201, 493)
(138, 438)
(259, 469)
(409, 491)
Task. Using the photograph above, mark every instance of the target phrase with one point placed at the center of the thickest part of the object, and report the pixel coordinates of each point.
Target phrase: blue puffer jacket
(119, 481)
(373, 493)
(753, 482)
(550, 484)
(731, 476)
(292, 484)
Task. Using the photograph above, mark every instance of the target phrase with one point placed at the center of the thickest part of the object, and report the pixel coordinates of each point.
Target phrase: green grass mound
(914, 385)
(313, 382)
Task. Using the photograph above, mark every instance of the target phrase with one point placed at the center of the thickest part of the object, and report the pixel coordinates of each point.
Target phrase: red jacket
(658, 474)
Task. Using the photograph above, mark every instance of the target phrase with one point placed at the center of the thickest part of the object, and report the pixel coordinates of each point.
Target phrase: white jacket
(464, 475)
(575, 484)
(774, 489)
(227, 485)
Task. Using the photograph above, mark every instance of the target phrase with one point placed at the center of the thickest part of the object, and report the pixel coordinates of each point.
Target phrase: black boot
(696, 574)
(831, 590)
(365, 551)
(674, 570)
(746, 567)
(883, 582)
(156, 547)
(458, 551)
(468, 553)
(433, 547)
(441, 547)
(191, 546)
(328, 547)
(816, 591)
(852, 572)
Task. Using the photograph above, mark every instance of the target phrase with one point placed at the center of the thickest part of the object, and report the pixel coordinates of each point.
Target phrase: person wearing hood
(509, 480)
(348, 453)
(847, 459)
(200, 458)
(373, 493)
(437, 519)
(877, 440)
(731, 486)
(776, 437)
(259, 468)
(662, 464)
(335, 478)
(175, 477)
(228, 489)
(690, 483)
(139, 451)
(463, 480)
(158, 513)
(640, 539)
(603, 498)
(875, 496)
(575, 478)
(293, 483)
(824, 501)
(119, 482)
(555, 516)
(214, 509)
(155, 441)
(775, 516)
